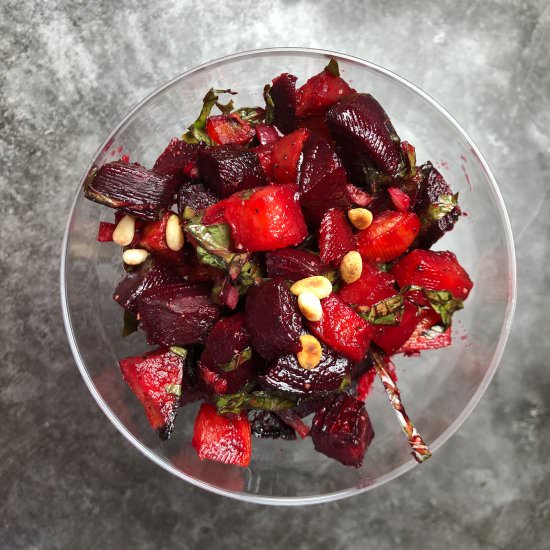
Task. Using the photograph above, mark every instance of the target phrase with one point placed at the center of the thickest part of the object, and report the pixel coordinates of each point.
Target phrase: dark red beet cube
(283, 93)
(177, 314)
(286, 155)
(229, 168)
(156, 380)
(150, 274)
(222, 438)
(342, 430)
(335, 237)
(293, 264)
(196, 197)
(216, 381)
(342, 329)
(272, 319)
(268, 424)
(179, 159)
(365, 135)
(229, 129)
(131, 188)
(433, 271)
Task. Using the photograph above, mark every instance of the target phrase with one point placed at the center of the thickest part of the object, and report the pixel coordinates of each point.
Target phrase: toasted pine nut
(125, 230)
(310, 306)
(310, 355)
(360, 218)
(318, 285)
(351, 267)
(174, 234)
(134, 256)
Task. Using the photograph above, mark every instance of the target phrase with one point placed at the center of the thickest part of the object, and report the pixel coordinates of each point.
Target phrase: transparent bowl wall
(439, 388)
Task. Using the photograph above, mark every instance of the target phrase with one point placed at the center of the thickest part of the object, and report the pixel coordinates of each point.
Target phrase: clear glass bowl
(439, 389)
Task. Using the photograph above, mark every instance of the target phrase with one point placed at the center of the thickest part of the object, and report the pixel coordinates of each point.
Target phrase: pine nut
(125, 230)
(351, 267)
(318, 285)
(360, 218)
(310, 355)
(134, 256)
(174, 234)
(310, 306)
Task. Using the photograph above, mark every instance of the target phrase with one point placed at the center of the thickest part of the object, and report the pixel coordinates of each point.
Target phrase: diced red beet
(219, 382)
(432, 187)
(391, 337)
(357, 196)
(342, 329)
(156, 380)
(221, 438)
(265, 156)
(229, 129)
(150, 274)
(196, 197)
(153, 239)
(293, 264)
(177, 314)
(322, 179)
(283, 94)
(272, 319)
(365, 135)
(268, 424)
(266, 134)
(389, 235)
(268, 218)
(229, 168)
(342, 430)
(105, 232)
(433, 271)
(179, 159)
(227, 338)
(320, 93)
(335, 237)
(318, 125)
(286, 155)
(400, 199)
(131, 188)
(424, 337)
(290, 418)
(372, 287)
(285, 374)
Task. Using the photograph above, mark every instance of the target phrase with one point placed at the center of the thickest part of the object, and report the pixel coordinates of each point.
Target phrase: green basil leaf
(269, 105)
(332, 67)
(253, 115)
(130, 324)
(264, 400)
(346, 381)
(445, 205)
(177, 350)
(174, 389)
(443, 302)
(237, 360)
(385, 312)
(227, 108)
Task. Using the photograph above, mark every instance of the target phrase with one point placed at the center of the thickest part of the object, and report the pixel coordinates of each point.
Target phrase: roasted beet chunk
(268, 424)
(150, 274)
(286, 156)
(391, 337)
(179, 159)
(229, 168)
(177, 314)
(365, 135)
(272, 319)
(436, 206)
(285, 374)
(194, 198)
(220, 438)
(336, 238)
(156, 380)
(372, 287)
(342, 430)
(283, 94)
(293, 264)
(131, 188)
(322, 179)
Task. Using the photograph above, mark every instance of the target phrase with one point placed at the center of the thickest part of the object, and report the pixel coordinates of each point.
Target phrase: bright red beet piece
(229, 168)
(293, 264)
(342, 329)
(265, 153)
(283, 93)
(423, 337)
(433, 271)
(400, 199)
(319, 93)
(272, 319)
(266, 135)
(221, 438)
(342, 430)
(372, 287)
(286, 154)
(179, 159)
(391, 337)
(335, 237)
(156, 380)
(229, 129)
(390, 235)
(153, 239)
(177, 314)
(218, 382)
(105, 232)
(268, 218)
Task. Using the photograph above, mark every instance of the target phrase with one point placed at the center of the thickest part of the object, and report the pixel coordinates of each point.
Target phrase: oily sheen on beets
(280, 256)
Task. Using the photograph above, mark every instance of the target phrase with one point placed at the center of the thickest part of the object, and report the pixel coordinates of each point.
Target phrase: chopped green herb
(237, 360)
(130, 323)
(332, 67)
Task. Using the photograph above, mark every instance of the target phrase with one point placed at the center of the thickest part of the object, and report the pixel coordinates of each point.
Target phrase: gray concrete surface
(69, 71)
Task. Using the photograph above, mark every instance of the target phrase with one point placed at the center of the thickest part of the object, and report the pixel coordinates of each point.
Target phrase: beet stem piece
(421, 451)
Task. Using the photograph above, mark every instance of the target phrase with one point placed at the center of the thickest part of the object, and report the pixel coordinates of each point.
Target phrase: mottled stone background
(69, 71)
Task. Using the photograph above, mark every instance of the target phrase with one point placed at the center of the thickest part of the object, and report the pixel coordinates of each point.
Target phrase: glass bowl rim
(450, 430)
